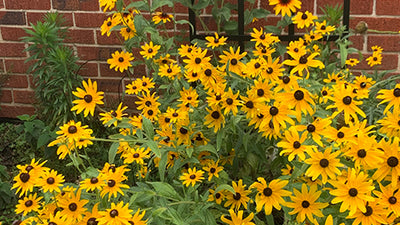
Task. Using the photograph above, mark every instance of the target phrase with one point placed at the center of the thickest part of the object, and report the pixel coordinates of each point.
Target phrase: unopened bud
(361, 27)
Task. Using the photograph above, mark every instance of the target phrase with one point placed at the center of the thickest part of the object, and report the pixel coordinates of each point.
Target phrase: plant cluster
(274, 133)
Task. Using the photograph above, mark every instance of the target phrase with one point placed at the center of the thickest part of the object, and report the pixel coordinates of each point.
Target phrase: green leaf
(140, 5)
(224, 187)
(343, 54)
(148, 128)
(220, 135)
(154, 147)
(43, 139)
(189, 152)
(208, 148)
(165, 189)
(231, 26)
(159, 3)
(112, 152)
(90, 172)
(201, 4)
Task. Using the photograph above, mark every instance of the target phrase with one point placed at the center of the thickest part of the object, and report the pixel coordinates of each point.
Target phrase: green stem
(383, 31)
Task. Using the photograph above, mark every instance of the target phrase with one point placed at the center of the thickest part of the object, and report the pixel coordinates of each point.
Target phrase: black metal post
(241, 23)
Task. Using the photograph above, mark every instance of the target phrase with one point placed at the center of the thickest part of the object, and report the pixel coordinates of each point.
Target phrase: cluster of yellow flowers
(332, 160)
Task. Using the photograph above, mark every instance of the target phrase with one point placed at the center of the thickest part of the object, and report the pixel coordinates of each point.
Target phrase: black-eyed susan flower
(217, 197)
(73, 207)
(92, 184)
(30, 203)
(262, 89)
(186, 50)
(133, 88)
(323, 28)
(325, 164)
(305, 204)
(272, 69)
(162, 60)
(170, 70)
(129, 31)
(389, 197)
(344, 101)
(113, 184)
(197, 60)
(51, 181)
(239, 197)
(285, 7)
(263, 39)
(374, 59)
(90, 217)
(365, 154)
(341, 137)
(112, 117)
(251, 105)
(236, 219)
(136, 155)
(214, 119)
(89, 98)
(390, 124)
(162, 17)
(270, 195)
(392, 96)
(305, 19)
(352, 62)
(353, 191)
(232, 59)
(292, 144)
(374, 214)
(120, 60)
(362, 85)
(74, 131)
(312, 36)
(390, 165)
(108, 24)
(117, 214)
(192, 176)
(334, 78)
(215, 41)
(302, 63)
(230, 102)
(276, 116)
(317, 129)
(188, 97)
(213, 169)
(149, 50)
(300, 100)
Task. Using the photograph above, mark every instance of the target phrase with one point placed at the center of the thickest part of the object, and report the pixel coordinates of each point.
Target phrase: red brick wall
(85, 18)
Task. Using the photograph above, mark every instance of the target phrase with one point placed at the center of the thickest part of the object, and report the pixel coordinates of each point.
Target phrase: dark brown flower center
(148, 103)
(113, 213)
(340, 134)
(24, 177)
(257, 65)
(183, 130)
(169, 70)
(212, 170)
(111, 183)
(324, 163)
(305, 204)
(52, 223)
(323, 27)
(29, 168)
(396, 92)
(207, 72)
(250, 104)
(310, 128)
(197, 60)
(88, 98)
(392, 161)
(369, 211)
(73, 206)
(363, 85)
(229, 101)
(150, 50)
(347, 100)
(285, 79)
(92, 221)
(136, 155)
(296, 144)
(192, 176)
(361, 153)
(260, 92)
(215, 115)
(262, 36)
(121, 59)
(324, 93)
(72, 129)
(392, 200)
(303, 59)
(270, 70)
(218, 195)
(267, 191)
(50, 180)
(94, 180)
(216, 40)
(353, 192)
(234, 62)
(237, 196)
(273, 111)
(29, 203)
(299, 95)
(304, 16)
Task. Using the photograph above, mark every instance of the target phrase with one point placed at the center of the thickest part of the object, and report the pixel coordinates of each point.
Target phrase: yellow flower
(88, 98)
(286, 7)
(237, 219)
(162, 17)
(149, 50)
(213, 169)
(235, 200)
(28, 204)
(117, 214)
(120, 60)
(108, 24)
(305, 19)
(216, 41)
(192, 176)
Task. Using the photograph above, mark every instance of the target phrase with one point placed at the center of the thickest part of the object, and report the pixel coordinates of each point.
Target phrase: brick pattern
(85, 18)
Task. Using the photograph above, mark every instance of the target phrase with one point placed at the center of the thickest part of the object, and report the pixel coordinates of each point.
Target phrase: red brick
(356, 6)
(9, 111)
(387, 7)
(17, 66)
(389, 62)
(95, 53)
(17, 81)
(89, 19)
(389, 43)
(5, 96)
(12, 33)
(33, 17)
(80, 36)
(1, 4)
(115, 38)
(24, 96)
(12, 18)
(82, 5)
(109, 85)
(32, 4)
(105, 71)
(12, 49)
(89, 69)
(358, 41)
